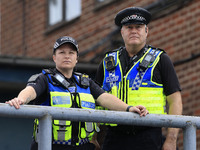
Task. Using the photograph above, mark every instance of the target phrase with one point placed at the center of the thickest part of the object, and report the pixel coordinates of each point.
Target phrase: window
(60, 11)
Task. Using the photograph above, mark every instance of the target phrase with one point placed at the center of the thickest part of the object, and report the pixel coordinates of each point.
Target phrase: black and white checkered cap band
(133, 17)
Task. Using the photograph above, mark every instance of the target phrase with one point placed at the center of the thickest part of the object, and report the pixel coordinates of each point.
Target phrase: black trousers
(87, 146)
(148, 139)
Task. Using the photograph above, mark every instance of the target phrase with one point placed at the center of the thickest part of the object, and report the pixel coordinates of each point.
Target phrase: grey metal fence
(45, 114)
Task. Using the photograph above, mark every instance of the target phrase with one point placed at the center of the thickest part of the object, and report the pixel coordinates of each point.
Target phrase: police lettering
(112, 79)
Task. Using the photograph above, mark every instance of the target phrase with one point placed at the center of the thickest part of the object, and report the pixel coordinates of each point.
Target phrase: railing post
(45, 133)
(189, 139)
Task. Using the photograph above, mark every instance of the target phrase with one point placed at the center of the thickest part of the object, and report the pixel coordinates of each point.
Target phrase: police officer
(62, 87)
(139, 74)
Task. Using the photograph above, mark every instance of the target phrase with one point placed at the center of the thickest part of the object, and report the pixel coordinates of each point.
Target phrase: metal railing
(45, 114)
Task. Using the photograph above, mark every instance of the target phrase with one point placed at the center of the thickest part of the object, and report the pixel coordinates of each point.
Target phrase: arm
(25, 96)
(175, 108)
(111, 102)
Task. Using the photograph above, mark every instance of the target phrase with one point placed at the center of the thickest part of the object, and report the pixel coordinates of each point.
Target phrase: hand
(16, 102)
(141, 110)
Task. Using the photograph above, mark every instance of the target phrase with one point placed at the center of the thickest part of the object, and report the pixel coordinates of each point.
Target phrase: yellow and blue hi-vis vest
(136, 88)
(60, 97)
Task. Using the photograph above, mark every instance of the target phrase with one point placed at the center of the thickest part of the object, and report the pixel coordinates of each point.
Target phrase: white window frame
(63, 11)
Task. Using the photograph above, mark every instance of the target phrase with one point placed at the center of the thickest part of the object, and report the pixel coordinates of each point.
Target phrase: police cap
(64, 40)
(132, 15)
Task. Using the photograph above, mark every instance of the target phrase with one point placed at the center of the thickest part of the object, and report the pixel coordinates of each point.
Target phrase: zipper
(123, 89)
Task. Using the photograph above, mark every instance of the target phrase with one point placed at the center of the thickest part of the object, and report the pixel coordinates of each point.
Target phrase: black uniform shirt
(164, 72)
(41, 87)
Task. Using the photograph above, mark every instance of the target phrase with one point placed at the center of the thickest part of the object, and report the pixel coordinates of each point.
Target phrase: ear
(77, 58)
(54, 58)
(121, 30)
(146, 29)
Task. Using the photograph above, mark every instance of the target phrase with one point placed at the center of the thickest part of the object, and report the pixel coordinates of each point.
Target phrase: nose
(133, 30)
(66, 55)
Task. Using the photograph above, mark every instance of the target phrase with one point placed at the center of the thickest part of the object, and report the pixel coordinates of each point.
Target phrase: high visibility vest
(62, 129)
(134, 89)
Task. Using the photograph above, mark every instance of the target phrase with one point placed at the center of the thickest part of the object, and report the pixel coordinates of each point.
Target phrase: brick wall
(178, 34)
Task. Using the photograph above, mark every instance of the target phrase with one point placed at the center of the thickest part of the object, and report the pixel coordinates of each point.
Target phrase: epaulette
(115, 50)
(48, 71)
(150, 46)
(84, 80)
(33, 77)
(51, 79)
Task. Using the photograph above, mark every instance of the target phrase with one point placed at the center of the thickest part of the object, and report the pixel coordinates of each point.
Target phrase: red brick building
(30, 27)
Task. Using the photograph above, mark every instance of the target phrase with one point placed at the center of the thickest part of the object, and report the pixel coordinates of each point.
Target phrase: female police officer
(62, 87)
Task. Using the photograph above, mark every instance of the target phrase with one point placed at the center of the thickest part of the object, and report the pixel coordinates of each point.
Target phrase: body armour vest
(69, 132)
(136, 87)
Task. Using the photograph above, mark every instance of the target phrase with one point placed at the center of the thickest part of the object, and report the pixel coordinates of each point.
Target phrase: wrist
(128, 108)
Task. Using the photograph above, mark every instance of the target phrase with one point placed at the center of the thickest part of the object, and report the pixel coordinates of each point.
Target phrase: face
(134, 34)
(65, 57)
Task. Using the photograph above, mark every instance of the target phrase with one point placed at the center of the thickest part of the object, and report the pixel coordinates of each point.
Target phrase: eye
(130, 27)
(72, 52)
(61, 52)
(138, 26)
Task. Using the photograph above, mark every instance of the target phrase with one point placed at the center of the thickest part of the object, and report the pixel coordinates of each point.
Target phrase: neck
(66, 73)
(133, 49)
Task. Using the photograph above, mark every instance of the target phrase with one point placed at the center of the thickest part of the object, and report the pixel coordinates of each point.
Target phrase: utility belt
(129, 130)
(69, 142)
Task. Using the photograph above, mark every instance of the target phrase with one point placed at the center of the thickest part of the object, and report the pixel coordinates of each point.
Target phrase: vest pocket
(88, 129)
(61, 130)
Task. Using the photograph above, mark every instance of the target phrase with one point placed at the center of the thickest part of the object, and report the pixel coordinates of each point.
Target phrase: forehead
(133, 25)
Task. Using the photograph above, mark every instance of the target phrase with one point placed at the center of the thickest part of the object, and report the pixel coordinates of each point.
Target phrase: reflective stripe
(62, 130)
(89, 127)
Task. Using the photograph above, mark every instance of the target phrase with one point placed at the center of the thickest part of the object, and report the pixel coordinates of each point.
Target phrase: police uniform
(55, 90)
(133, 82)
(43, 87)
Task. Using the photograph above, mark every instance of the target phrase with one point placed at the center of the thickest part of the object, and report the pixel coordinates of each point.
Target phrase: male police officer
(139, 74)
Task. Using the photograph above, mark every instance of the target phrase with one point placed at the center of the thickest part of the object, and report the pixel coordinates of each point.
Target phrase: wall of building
(24, 33)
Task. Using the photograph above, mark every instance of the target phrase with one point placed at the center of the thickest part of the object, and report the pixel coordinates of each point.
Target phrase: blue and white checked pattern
(138, 79)
(81, 142)
(112, 74)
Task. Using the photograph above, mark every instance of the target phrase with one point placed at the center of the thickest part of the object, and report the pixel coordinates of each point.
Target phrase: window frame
(63, 22)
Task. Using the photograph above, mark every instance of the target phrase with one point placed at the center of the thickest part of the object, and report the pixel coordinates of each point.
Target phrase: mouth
(134, 37)
(67, 61)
